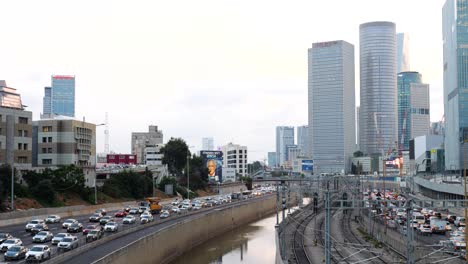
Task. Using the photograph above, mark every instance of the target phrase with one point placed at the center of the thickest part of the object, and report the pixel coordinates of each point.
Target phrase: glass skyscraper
(403, 62)
(63, 95)
(47, 101)
(284, 138)
(455, 58)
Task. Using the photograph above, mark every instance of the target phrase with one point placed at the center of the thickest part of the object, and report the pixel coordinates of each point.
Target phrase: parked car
(9, 243)
(69, 222)
(15, 253)
(129, 219)
(5, 236)
(105, 220)
(93, 235)
(120, 214)
(53, 219)
(68, 243)
(38, 253)
(90, 227)
(96, 217)
(38, 228)
(32, 223)
(42, 237)
(58, 237)
(111, 226)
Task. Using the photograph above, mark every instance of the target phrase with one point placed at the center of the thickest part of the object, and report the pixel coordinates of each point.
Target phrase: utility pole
(466, 194)
(277, 203)
(289, 198)
(13, 185)
(188, 175)
(327, 225)
(283, 199)
(409, 235)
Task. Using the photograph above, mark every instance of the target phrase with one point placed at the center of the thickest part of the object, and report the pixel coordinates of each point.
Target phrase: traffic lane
(104, 249)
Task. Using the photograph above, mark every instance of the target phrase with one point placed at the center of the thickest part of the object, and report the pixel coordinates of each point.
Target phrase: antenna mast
(106, 133)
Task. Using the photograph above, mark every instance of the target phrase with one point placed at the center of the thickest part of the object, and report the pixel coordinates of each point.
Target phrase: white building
(235, 156)
(332, 106)
(142, 140)
(207, 143)
(153, 155)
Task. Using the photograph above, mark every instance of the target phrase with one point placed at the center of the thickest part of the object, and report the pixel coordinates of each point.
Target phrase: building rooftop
(9, 98)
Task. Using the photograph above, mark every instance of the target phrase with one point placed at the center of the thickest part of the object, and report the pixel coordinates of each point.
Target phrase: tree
(358, 153)
(128, 184)
(175, 155)
(248, 182)
(44, 191)
(255, 166)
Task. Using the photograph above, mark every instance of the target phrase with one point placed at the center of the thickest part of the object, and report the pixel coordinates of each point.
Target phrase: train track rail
(299, 250)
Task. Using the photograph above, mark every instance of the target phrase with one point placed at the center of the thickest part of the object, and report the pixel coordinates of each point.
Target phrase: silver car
(58, 237)
(38, 253)
(68, 243)
(42, 237)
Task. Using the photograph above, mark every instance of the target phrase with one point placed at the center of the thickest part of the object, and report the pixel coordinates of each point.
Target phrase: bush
(44, 191)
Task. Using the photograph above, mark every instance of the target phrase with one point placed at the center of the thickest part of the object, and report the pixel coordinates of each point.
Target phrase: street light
(95, 173)
(188, 174)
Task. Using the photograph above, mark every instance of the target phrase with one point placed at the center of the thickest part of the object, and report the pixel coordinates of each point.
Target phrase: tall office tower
(207, 143)
(455, 45)
(47, 101)
(413, 108)
(403, 59)
(378, 110)
(272, 159)
(302, 138)
(284, 138)
(358, 143)
(332, 105)
(63, 95)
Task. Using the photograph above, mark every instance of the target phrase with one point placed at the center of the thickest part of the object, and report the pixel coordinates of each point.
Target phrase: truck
(438, 226)
(153, 204)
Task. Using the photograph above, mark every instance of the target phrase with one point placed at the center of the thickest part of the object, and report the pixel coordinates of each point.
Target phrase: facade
(63, 95)
(302, 137)
(207, 143)
(153, 155)
(455, 58)
(142, 140)
(438, 128)
(272, 160)
(127, 159)
(284, 138)
(378, 121)
(413, 108)
(235, 157)
(358, 143)
(403, 59)
(331, 106)
(15, 129)
(47, 101)
(421, 151)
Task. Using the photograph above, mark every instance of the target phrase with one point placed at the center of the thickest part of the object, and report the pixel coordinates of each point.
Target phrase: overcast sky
(233, 70)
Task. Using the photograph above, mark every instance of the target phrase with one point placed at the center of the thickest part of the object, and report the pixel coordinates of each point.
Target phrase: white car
(58, 237)
(32, 224)
(129, 219)
(146, 219)
(111, 227)
(460, 221)
(43, 236)
(69, 222)
(9, 243)
(175, 209)
(164, 214)
(53, 219)
(68, 243)
(38, 253)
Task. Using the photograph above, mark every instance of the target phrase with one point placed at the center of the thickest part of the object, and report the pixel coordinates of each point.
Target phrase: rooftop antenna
(106, 133)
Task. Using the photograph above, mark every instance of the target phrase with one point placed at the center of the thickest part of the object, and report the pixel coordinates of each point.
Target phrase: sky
(231, 70)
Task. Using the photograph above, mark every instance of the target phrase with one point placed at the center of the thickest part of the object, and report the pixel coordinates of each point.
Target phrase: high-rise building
(207, 143)
(63, 95)
(358, 143)
(16, 129)
(284, 138)
(332, 105)
(272, 159)
(142, 140)
(403, 58)
(378, 121)
(235, 157)
(413, 108)
(455, 58)
(47, 101)
(302, 138)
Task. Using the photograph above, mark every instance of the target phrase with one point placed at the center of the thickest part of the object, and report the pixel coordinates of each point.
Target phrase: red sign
(63, 77)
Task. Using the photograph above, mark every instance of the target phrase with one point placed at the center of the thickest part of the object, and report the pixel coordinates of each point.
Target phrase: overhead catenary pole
(13, 186)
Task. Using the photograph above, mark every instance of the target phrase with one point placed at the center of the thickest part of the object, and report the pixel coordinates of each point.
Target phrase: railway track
(300, 253)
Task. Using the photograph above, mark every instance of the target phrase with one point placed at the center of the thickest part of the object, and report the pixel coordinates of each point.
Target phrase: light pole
(95, 174)
(188, 173)
(13, 185)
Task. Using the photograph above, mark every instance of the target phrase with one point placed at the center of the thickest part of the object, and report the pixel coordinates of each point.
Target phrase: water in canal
(252, 243)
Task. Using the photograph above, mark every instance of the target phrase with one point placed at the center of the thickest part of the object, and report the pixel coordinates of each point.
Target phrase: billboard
(229, 175)
(213, 160)
(307, 165)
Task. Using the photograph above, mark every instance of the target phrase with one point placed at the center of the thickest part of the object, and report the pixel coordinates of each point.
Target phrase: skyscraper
(272, 159)
(455, 56)
(207, 143)
(63, 95)
(47, 101)
(331, 105)
(302, 138)
(413, 108)
(403, 59)
(284, 138)
(378, 110)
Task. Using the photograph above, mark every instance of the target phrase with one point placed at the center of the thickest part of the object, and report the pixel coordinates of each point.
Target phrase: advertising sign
(229, 175)
(213, 160)
(307, 165)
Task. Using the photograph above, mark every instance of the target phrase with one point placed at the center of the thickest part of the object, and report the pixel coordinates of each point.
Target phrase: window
(46, 161)
(47, 129)
(20, 146)
(22, 159)
(25, 133)
(25, 146)
(44, 140)
(49, 150)
(44, 150)
(23, 120)
(20, 133)
(122, 157)
(49, 139)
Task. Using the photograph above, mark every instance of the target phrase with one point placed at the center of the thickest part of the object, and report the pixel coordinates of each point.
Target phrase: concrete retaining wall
(170, 242)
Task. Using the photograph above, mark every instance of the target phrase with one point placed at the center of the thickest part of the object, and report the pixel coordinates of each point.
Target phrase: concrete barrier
(170, 242)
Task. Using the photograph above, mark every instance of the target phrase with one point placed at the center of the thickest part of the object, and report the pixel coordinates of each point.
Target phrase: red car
(89, 228)
(121, 214)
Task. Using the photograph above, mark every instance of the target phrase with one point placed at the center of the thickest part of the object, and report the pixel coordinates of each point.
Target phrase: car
(451, 218)
(38, 253)
(68, 223)
(68, 243)
(143, 209)
(15, 253)
(32, 223)
(120, 214)
(53, 219)
(127, 208)
(91, 227)
(9, 243)
(164, 214)
(175, 202)
(5, 236)
(146, 219)
(105, 220)
(42, 237)
(129, 219)
(460, 221)
(101, 211)
(175, 209)
(75, 228)
(96, 217)
(459, 242)
(425, 230)
(111, 226)
(93, 235)
(133, 211)
(58, 237)
(38, 228)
